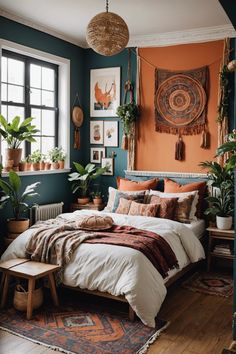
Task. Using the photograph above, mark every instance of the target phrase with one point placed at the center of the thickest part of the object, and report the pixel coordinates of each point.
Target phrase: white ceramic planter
(224, 223)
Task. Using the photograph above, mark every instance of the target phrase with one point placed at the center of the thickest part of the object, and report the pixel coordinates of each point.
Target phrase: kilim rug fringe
(143, 350)
(151, 340)
(53, 347)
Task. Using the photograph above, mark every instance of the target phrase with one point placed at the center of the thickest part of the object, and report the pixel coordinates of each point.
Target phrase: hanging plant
(223, 107)
(128, 113)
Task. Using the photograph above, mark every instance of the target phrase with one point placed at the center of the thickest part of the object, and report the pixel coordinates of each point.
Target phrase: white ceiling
(150, 22)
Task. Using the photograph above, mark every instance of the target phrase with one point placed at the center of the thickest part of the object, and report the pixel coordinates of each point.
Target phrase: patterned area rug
(83, 324)
(210, 283)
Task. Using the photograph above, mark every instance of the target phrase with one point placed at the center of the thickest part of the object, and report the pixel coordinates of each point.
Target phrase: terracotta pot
(28, 166)
(22, 166)
(61, 164)
(17, 226)
(55, 166)
(97, 201)
(42, 165)
(9, 164)
(36, 166)
(15, 155)
(83, 201)
(47, 165)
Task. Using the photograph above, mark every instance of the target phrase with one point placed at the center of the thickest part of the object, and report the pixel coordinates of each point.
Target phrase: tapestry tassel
(205, 140)
(179, 149)
(125, 142)
(76, 139)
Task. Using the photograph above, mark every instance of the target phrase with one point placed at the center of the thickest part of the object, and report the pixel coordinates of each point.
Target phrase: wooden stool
(26, 269)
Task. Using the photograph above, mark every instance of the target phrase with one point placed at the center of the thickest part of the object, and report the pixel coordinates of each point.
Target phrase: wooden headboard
(179, 177)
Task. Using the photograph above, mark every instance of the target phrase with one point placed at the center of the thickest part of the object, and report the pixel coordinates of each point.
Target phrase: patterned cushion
(183, 209)
(124, 206)
(180, 197)
(95, 222)
(125, 184)
(143, 209)
(115, 195)
(174, 187)
(167, 206)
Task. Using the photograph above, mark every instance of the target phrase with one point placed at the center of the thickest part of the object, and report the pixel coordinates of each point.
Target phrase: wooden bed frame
(182, 178)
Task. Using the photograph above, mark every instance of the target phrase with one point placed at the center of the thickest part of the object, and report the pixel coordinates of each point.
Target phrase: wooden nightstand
(217, 239)
(89, 206)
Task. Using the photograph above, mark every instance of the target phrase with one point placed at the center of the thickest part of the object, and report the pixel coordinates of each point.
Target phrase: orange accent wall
(156, 151)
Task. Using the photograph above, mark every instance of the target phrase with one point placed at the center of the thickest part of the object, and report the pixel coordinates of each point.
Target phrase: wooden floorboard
(199, 324)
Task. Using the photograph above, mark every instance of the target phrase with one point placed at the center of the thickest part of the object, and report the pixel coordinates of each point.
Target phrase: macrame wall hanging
(181, 105)
(77, 119)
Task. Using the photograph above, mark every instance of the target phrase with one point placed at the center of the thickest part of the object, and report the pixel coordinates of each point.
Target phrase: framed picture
(96, 132)
(110, 133)
(96, 154)
(108, 162)
(104, 92)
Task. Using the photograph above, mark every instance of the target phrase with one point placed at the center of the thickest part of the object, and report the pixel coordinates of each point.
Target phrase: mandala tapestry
(180, 101)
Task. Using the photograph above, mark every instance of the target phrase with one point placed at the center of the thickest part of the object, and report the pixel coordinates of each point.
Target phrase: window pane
(36, 113)
(4, 92)
(48, 98)
(16, 72)
(48, 79)
(47, 144)
(35, 76)
(15, 111)
(15, 94)
(35, 96)
(4, 110)
(36, 145)
(48, 122)
(4, 69)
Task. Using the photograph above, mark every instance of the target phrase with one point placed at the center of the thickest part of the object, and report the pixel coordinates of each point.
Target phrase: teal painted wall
(96, 61)
(53, 187)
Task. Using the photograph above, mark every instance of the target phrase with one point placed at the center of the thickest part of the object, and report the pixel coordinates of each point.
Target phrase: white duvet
(121, 270)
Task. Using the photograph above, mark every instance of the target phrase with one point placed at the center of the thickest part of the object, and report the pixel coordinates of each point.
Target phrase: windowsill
(40, 172)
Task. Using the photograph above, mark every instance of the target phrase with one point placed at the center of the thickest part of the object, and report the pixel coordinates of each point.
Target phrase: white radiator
(45, 212)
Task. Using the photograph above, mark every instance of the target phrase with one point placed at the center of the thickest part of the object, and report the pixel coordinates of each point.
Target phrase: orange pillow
(124, 184)
(174, 187)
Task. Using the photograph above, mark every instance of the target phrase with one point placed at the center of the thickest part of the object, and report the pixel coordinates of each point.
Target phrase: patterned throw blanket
(54, 241)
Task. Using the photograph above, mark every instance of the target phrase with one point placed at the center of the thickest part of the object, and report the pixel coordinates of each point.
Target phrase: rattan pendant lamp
(107, 33)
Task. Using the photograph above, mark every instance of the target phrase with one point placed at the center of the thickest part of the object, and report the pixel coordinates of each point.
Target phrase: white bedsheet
(198, 227)
(121, 270)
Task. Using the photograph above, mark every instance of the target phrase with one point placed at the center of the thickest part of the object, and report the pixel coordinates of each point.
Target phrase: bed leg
(131, 314)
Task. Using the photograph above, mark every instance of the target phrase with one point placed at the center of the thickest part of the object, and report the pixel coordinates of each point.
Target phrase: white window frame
(63, 97)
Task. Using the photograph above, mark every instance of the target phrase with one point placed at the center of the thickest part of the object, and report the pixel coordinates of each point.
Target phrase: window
(29, 88)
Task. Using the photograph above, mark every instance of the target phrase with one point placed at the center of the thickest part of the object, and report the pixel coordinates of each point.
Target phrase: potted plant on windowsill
(82, 178)
(15, 132)
(56, 154)
(18, 201)
(36, 158)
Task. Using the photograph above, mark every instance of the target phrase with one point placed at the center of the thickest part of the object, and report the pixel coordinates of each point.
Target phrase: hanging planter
(128, 113)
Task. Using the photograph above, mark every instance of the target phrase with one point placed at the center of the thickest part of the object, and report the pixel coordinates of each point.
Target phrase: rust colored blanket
(54, 241)
(152, 245)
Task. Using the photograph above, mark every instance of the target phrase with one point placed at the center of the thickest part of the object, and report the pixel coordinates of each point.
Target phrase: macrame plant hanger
(128, 141)
(77, 119)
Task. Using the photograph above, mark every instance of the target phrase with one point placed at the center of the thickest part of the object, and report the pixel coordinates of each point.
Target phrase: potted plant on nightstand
(82, 178)
(18, 201)
(96, 195)
(14, 133)
(221, 179)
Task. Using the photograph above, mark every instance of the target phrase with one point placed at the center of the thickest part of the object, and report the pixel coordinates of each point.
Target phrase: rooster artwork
(104, 99)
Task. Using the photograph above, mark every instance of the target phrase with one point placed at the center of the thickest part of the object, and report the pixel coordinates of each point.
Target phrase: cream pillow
(180, 196)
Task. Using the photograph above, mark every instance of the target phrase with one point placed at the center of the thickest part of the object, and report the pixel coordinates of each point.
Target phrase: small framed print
(96, 154)
(104, 92)
(108, 162)
(111, 133)
(96, 132)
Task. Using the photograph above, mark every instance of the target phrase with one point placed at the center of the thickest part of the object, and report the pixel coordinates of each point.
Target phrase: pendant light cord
(107, 5)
